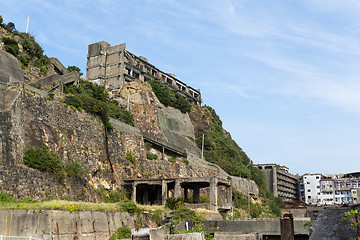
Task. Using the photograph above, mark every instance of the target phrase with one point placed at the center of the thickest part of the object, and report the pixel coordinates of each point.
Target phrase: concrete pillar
(186, 191)
(229, 194)
(133, 193)
(196, 195)
(164, 191)
(274, 182)
(177, 189)
(287, 227)
(163, 153)
(145, 196)
(213, 193)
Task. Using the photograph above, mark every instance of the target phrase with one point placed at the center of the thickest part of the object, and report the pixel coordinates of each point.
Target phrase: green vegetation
(172, 159)
(169, 96)
(32, 54)
(121, 233)
(353, 217)
(129, 206)
(174, 203)
(221, 149)
(130, 158)
(95, 100)
(45, 161)
(182, 214)
(76, 169)
(151, 156)
(11, 46)
(75, 69)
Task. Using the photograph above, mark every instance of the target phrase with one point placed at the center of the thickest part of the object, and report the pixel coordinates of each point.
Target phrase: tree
(10, 27)
(75, 69)
(353, 216)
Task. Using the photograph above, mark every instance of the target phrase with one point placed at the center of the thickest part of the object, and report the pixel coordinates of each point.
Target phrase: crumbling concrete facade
(113, 66)
(280, 182)
(157, 191)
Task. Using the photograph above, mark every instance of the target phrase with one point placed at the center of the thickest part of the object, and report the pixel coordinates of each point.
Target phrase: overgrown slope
(23, 46)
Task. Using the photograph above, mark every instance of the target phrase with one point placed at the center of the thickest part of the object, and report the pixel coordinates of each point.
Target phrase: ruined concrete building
(280, 182)
(113, 66)
(157, 191)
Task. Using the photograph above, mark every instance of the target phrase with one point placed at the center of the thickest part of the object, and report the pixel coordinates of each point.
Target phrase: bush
(172, 159)
(183, 214)
(151, 156)
(169, 96)
(174, 203)
(76, 169)
(130, 158)
(4, 197)
(45, 160)
(75, 69)
(94, 99)
(129, 206)
(121, 233)
(11, 46)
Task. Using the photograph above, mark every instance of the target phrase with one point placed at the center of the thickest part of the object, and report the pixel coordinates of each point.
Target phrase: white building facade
(320, 189)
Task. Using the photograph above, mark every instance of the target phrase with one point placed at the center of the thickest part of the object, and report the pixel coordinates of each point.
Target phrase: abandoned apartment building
(280, 182)
(113, 66)
(216, 191)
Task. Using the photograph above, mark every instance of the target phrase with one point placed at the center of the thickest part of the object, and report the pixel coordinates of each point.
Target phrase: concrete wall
(266, 226)
(237, 236)
(52, 224)
(186, 236)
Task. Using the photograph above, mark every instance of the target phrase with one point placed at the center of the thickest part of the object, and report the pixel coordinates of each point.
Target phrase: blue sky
(283, 76)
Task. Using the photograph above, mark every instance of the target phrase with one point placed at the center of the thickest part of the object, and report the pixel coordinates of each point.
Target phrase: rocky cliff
(29, 119)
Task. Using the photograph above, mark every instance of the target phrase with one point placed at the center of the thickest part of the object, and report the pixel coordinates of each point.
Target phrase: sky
(282, 75)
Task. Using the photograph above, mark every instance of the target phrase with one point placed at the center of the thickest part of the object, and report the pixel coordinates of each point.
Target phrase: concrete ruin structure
(113, 66)
(157, 191)
(280, 182)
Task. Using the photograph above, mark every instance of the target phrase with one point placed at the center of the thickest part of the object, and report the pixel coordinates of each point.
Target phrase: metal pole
(202, 148)
(249, 198)
(27, 25)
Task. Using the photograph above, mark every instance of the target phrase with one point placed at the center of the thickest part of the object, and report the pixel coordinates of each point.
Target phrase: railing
(2, 237)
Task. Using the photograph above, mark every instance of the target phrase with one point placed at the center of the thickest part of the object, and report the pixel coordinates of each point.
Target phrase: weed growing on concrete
(151, 156)
(121, 233)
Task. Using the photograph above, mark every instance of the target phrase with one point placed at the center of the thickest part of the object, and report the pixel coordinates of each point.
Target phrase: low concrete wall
(186, 236)
(265, 226)
(56, 225)
(237, 236)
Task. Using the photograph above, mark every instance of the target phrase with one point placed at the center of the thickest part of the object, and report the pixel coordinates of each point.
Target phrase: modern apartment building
(280, 182)
(113, 66)
(321, 189)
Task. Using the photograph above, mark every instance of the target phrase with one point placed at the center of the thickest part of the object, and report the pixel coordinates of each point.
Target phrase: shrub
(183, 213)
(174, 203)
(75, 69)
(11, 46)
(45, 160)
(129, 206)
(4, 197)
(94, 99)
(51, 96)
(121, 233)
(172, 159)
(169, 96)
(76, 169)
(151, 156)
(130, 158)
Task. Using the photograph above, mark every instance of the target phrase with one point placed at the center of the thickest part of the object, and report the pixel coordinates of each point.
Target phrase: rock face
(328, 225)
(32, 120)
